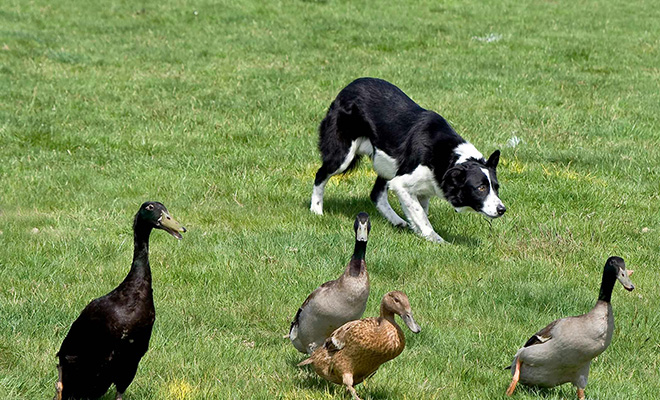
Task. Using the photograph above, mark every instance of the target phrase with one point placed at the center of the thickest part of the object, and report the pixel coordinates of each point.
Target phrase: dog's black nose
(501, 209)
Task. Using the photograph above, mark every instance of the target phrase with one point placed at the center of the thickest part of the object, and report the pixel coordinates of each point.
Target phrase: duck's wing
(293, 329)
(90, 342)
(356, 333)
(543, 335)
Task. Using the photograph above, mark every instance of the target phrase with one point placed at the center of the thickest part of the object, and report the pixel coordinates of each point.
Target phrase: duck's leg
(347, 379)
(58, 385)
(580, 394)
(119, 395)
(516, 377)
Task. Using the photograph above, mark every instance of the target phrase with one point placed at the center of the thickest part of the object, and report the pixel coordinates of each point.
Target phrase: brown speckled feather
(359, 347)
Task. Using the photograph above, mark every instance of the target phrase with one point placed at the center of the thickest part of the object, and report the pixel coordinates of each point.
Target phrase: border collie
(414, 151)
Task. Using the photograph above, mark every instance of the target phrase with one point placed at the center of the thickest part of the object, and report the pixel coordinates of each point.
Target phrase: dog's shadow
(350, 207)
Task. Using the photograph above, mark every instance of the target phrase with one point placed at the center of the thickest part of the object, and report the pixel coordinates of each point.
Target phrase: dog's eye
(482, 188)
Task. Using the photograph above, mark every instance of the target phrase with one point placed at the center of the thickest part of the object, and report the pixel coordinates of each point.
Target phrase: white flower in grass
(490, 38)
(513, 141)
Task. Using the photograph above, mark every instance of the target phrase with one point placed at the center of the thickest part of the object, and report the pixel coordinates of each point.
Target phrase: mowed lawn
(212, 108)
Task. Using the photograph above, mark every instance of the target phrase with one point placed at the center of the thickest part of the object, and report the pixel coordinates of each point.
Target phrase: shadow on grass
(545, 393)
(350, 207)
(306, 378)
(309, 380)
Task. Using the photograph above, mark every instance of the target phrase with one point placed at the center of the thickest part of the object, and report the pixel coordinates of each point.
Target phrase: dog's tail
(351, 124)
(343, 124)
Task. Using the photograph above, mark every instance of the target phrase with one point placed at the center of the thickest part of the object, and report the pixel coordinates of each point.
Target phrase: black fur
(376, 110)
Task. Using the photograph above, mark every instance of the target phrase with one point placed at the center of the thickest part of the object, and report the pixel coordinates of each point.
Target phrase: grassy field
(212, 108)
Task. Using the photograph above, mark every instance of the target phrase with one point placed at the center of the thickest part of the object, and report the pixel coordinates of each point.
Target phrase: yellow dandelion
(179, 390)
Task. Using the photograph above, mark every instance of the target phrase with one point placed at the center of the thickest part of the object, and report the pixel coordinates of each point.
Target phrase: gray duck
(335, 302)
(562, 351)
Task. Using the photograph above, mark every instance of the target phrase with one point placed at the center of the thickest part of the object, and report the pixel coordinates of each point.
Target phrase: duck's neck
(606, 286)
(386, 314)
(357, 264)
(140, 270)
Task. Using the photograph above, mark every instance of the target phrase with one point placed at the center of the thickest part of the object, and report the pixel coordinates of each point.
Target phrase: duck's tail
(305, 362)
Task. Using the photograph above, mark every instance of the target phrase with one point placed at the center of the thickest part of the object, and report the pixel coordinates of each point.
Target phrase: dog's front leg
(379, 197)
(414, 212)
(424, 201)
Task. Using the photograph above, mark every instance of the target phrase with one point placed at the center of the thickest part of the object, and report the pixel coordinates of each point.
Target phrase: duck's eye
(396, 300)
(150, 207)
(482, 188)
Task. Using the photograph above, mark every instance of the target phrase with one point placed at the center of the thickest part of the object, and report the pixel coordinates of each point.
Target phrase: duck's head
(156, 215)
(362, 227)
(397, 302)
(617, 267)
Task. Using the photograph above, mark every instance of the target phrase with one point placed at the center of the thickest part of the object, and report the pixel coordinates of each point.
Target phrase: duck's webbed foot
(580, 394)
(58, 385)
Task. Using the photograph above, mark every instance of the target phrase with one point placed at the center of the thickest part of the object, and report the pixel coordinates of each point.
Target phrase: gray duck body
(562, 351)
(566, 357)
(335, 302)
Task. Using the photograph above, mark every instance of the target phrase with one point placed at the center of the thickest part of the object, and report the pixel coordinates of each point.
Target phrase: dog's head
(473, 185)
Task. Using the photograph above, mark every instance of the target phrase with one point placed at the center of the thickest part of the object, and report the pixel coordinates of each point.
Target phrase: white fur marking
(465, 151)
(349, 157)
(384, 165)
(421, 182)
(365, 147)
(317, 198)
(362, 146)
(383, 205)
(424, 201)
(489, 207)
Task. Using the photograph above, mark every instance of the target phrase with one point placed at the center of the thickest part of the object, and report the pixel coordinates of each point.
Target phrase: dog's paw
(401, 224)
(434, 237)
(316, 208)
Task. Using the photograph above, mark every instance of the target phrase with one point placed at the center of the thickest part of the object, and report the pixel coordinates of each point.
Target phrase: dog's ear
(455, 175)
(493, 159)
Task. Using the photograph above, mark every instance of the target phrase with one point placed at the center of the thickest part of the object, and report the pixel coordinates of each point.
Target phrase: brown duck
(356, 349)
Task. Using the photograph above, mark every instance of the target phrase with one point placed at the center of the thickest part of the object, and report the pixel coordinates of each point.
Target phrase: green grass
(104, 105)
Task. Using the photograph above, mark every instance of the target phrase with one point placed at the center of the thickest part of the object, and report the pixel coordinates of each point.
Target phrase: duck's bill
(410, 323)
(171, 226)
(626, 282)
(362, 233)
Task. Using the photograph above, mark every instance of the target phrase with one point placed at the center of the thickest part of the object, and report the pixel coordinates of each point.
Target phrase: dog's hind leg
(331, 166)
(379, 197)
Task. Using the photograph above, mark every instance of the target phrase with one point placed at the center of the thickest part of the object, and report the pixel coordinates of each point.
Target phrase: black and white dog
(414, 151)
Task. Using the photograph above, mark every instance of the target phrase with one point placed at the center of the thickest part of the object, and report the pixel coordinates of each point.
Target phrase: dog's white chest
(420, 182)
